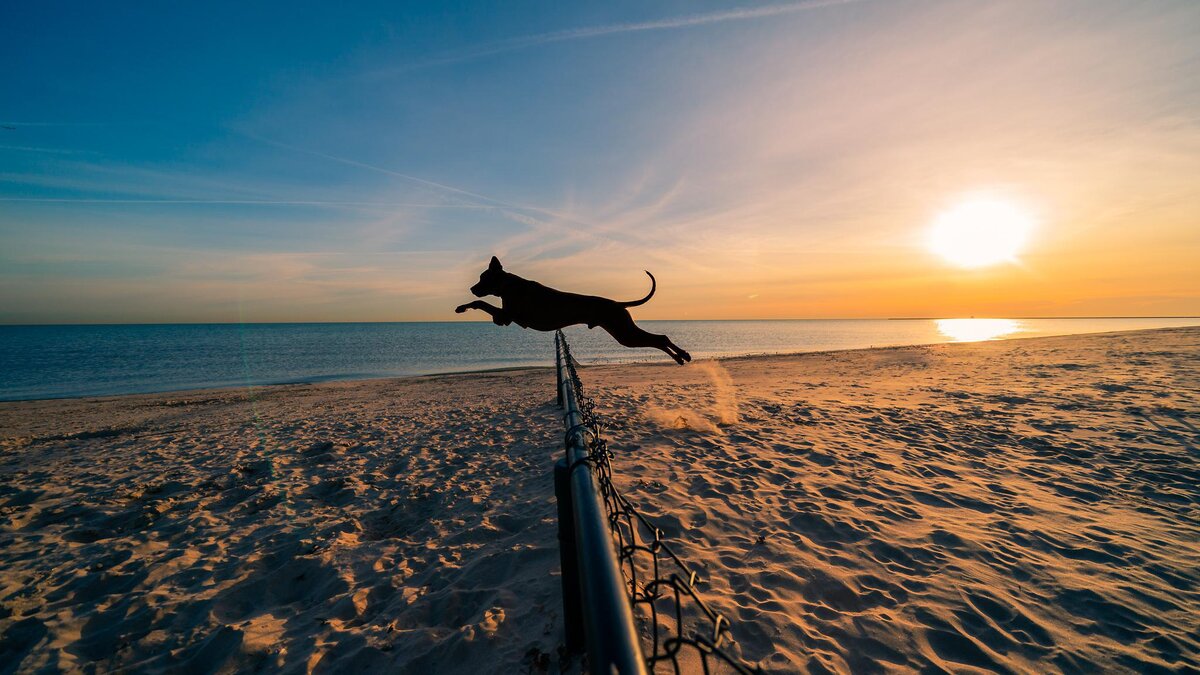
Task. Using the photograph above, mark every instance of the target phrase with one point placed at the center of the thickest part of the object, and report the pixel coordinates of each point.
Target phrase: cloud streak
(550, 222)
(252, 202)
(488, 202)
(52, 124)
(673, 23)
(52, 151)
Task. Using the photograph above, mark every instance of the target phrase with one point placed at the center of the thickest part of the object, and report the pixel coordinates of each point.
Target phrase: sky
(229, 162)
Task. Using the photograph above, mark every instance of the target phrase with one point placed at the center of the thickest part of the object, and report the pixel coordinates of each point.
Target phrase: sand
(1025, 506)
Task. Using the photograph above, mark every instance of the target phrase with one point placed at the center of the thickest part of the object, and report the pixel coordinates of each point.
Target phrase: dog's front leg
(499, 316)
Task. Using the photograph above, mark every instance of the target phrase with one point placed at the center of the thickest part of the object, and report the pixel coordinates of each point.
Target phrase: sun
(980, 232)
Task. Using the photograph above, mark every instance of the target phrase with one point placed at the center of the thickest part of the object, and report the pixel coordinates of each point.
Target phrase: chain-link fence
(681, 632)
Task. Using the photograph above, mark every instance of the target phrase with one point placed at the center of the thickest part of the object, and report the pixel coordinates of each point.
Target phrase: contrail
(263, 202)
(515, 212)
(53, 124)
(491, 202)
(380, 169)
(524, 42)
(54, 151)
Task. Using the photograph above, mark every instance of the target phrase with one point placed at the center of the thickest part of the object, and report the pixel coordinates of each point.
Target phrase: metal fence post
(558, 365)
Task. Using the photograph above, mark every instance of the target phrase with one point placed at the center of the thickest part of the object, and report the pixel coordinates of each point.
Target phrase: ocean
(100, 360)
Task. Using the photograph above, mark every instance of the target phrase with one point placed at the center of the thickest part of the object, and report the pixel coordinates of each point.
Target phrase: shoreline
(335, 379)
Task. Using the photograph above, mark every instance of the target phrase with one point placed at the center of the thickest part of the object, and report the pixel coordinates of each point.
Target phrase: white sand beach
(1014, 506)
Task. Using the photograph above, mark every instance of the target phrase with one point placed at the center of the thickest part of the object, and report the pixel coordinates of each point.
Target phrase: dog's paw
(460, 309)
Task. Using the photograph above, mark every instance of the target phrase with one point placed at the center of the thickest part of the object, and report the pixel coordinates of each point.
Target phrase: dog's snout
(477, 292)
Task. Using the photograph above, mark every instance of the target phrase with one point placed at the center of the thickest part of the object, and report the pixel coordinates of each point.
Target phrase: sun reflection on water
(976, 330)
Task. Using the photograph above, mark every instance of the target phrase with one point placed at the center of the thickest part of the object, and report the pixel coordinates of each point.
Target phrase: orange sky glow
(786, 162)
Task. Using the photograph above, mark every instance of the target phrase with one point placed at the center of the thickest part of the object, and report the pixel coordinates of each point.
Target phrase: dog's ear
(495, 265)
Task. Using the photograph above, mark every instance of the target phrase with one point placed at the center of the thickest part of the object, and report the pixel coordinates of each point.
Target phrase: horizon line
(834, 318)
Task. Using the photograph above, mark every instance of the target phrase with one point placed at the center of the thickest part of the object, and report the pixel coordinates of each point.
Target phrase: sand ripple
(402, 525)
(1024, 506)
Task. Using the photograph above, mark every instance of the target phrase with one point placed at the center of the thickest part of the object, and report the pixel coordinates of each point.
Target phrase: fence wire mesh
(682, 629)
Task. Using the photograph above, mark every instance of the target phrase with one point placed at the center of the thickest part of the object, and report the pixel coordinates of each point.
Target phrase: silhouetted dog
(532, 305)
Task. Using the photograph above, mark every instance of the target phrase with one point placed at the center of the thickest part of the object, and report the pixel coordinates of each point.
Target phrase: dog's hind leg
(686, 356)
(629, 335)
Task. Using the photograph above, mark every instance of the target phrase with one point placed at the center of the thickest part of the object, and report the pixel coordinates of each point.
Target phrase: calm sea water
(68, 361)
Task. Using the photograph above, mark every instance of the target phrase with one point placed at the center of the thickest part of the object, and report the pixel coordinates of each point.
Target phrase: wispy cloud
(379, 169)
(583, 33)
(541, 221)
(52, 124)
(52, 151)
(232, 202)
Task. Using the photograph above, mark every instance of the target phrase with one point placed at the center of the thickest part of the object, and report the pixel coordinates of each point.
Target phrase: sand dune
(1023, 506)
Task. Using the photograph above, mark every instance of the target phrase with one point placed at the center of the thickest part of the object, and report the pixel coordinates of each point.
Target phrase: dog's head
(492, 281)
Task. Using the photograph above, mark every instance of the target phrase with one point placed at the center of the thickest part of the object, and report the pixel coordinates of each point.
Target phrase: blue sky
(279, 161)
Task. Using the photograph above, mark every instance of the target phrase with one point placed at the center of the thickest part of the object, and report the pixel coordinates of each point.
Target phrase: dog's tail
(653, 285)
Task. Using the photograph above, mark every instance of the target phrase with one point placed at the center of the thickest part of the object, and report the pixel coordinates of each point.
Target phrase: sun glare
(976, 330)
(980, 233)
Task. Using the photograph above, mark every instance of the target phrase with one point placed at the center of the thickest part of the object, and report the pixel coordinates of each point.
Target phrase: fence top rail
(612, 642)
(655, 578)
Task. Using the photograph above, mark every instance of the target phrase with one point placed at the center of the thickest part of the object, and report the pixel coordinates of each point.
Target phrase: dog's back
(537, 306)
